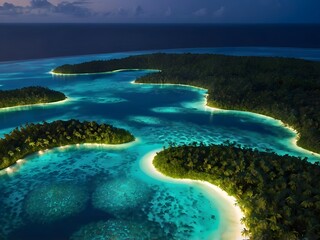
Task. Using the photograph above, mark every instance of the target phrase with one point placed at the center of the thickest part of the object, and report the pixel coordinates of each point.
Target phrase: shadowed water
(83, 191)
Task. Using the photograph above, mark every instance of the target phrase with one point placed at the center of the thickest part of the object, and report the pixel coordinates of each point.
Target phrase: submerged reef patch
(145, 120)
(119, 195)
(53, 202)
(118, 229)
(180, 215)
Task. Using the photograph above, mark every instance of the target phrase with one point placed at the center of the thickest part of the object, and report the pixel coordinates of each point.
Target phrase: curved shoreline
(281, 123)
(23, 107)
(206, 106)
(230, 226)
(98, 73)
(13, 168)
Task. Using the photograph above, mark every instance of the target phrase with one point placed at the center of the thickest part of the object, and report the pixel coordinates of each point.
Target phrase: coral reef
(52, 202)
(119, 195)
(118, 229)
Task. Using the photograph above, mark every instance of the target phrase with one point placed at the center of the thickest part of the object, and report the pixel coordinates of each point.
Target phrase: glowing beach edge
(15, 167)
(100, 73)
(207, 107)
(23, 107)
(230, 224)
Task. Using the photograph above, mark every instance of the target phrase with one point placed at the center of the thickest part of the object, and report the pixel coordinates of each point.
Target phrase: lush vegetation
(35, 137)
(29, 95)
(283, 88)
(279, 195)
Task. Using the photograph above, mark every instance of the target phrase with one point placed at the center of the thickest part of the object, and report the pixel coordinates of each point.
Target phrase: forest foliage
(32, 138)
(29, 95)
(283, 88)
(279, 195)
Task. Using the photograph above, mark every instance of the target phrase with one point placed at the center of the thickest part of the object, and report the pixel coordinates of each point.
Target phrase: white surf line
(98, 73)
(23, 107)
(14, 167)
(206, 107)
(230, 227)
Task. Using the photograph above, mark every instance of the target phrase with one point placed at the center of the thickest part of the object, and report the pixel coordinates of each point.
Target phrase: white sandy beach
(206, 107)
(98, 73)
(15, 167)
(111, 146)
(230, 226)
(27, 106)
(205, 104)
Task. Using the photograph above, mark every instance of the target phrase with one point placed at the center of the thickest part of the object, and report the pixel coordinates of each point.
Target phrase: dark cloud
(81, 2)
(73, 8)
(138, 11)
(40, 4)
(231, 11)
(44, 7)
(126, 13)
(7, 7)
(10, 9)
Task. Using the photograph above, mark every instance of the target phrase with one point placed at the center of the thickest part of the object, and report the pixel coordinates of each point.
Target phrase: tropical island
(283, 88)
(279, 195)
(29, 95)
(32, 138)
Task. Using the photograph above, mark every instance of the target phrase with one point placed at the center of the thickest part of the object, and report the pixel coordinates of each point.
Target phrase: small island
(32, 138)
(283, 88)
(28, 96)
(279, 195)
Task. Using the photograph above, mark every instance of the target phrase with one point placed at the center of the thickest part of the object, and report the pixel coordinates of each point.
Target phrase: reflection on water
(87, 190)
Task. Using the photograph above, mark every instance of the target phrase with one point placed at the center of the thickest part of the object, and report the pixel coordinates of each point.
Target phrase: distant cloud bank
(45, 8)
(166, 11)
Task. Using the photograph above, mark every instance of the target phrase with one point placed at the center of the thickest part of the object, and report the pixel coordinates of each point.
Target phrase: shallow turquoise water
(79, 190)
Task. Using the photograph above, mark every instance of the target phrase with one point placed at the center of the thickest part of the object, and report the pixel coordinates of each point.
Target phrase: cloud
(138, 11)
(10, 9)
(125, 13)
(39, 7)
(40, 4)
(74, 9)
(121, 12)
(82, 2)
(220, 12)
(200, 12)
(44, 7)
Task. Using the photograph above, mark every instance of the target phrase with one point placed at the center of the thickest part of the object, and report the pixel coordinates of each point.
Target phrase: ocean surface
(84, 191)
(34, 41)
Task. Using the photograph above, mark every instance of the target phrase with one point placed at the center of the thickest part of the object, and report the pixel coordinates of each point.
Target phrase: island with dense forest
(29, 95)
(279, 195)
(283, 88)
(32, 138)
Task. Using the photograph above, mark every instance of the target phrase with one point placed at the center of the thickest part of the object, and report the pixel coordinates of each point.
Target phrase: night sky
(161, 11)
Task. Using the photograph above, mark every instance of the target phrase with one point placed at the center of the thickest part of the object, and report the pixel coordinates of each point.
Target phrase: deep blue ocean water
(82, 192)
(30, 41)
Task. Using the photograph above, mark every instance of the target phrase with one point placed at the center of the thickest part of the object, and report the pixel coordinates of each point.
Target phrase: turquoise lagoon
(92, 191)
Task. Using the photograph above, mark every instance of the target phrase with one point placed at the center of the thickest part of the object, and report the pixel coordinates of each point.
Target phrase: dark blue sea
(34, 41)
